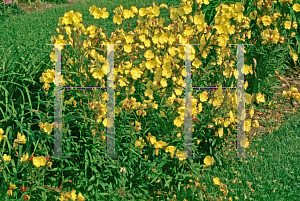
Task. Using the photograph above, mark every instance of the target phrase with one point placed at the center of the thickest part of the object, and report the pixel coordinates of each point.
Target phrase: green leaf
(92, 178)
(90, 187)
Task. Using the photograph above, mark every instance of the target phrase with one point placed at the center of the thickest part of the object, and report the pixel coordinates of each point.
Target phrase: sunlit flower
(160, 144)
(48, 128)
(208, 160)
(296, 7)
(73, 195)
(80, 197)
(180, 154)
(266, 20)
(21, 138)
(260, 98)
(39, 161)
(288, 25)
(6, 157)
(216, 181)
(203, 96)
(24, 157)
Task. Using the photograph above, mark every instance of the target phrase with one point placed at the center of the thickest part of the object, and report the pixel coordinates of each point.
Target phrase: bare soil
(37, 6)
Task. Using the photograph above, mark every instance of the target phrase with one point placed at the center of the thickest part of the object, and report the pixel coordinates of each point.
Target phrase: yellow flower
(266, 20)
(39, 161)
(180, 153)
(117, 19)
(70, 101)
(104, 122)
(260, 98)
(178, 122)
(127, 13)
(9, 192)
(77, 18)
(48, 127)
(287, 25)
(48, 76)
(152, 140)
(92, 31)
(136, 73)
(12, 186)
(24, 157)
(52, 57)
(162, 114)
(220, 132)
(245, 143)
(226, 123)
(127, 48)
(246, 85)
(140, 143)
(248, 69)
(203, 96)
(142, 12)
(178, 92)
(200, 107)
(251, 112)
(137, 143)
(1, 133)
(217, 102)
(248, 125)
(208, 160)
(171, 149)
(216, 181)
(293, 55)
(174, 14)
(73, 195)
(6, 157)
(97, 12)
(21, 138)
(160, 144)
(80, 197)
(68, 18)
(296, 7)
(149, 55)
(97, 73)
(293, 90)
(255, 123)
(253, 15)
(206, 2)
(295, 25)
(197, 63)
(248, 98)
(163, 82)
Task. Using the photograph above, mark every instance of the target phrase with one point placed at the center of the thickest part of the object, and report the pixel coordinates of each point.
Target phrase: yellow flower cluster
(292, 93)
(11, 187)
(71, 196)
(21, 139)
(46, 127)
(229, 21)
(1, 134)
(39, 161)
(168, 149)
(48, 77)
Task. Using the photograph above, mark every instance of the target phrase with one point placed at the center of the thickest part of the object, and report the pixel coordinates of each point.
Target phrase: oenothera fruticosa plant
(149, 68)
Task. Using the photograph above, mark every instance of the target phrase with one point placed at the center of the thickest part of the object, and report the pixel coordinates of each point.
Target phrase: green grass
(275, 166)
(23, 105)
